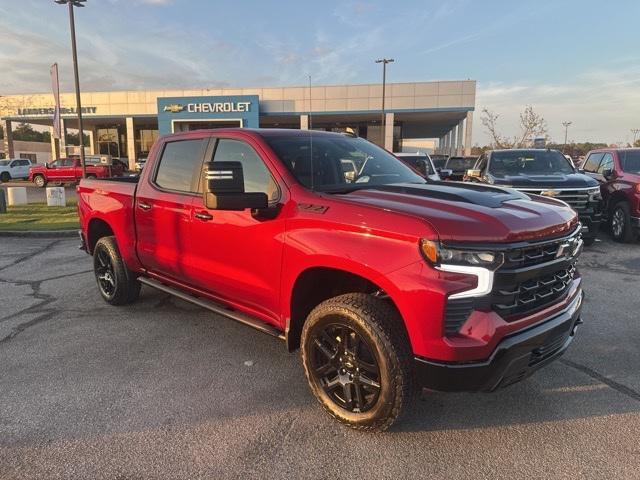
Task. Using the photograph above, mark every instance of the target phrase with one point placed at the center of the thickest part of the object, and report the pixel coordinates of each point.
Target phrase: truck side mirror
(608, 173)
(224, 188)
(474, 173)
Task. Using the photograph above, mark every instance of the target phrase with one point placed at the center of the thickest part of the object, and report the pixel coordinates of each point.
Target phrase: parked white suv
(14, 168)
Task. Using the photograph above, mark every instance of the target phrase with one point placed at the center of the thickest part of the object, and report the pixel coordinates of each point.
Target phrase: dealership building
(428, 116)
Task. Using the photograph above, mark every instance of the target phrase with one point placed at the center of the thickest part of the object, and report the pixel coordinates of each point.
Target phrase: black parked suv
(544, 172)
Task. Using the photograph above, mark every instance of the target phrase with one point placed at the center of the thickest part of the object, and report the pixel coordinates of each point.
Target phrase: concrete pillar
(388, 131)
(447, 142)
(468, 133)
(131, 143)
(304, 122)
(459, 146)
(92, 140)
(9, 151)
(454, 141)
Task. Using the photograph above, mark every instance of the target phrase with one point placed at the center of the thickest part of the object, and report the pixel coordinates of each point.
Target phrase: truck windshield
(630, 161)
(528, 162)
(460, 164)
(335, 163)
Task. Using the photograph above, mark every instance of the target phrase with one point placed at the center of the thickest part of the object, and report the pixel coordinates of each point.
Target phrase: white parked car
(423, 163)
(14, 168)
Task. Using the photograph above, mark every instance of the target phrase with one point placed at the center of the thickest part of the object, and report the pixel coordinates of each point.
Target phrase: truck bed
(112, 198)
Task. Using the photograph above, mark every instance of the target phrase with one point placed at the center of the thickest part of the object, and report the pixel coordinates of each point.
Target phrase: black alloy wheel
(117, 284)
(358, 360)
(105, 273)
(346, 367)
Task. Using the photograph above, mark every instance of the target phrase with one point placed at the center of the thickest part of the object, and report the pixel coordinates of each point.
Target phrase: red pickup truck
(69, 170)
(386, 281)
(618, 171)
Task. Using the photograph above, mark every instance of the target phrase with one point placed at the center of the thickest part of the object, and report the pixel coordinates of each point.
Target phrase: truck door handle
(204, 216)
(144, 206)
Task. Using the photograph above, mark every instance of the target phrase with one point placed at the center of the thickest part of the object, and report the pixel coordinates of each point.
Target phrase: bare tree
(531, 125)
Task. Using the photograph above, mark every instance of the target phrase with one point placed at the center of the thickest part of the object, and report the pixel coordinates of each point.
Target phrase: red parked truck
(618, 171)
(69, 170)
(387, 282)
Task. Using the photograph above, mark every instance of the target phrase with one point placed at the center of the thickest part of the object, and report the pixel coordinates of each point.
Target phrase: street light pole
(566, 133)
(72, 25)
(635, 132)
(383, 125)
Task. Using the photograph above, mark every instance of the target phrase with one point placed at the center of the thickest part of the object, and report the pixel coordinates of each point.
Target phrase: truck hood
(472, 212)
(558, 181)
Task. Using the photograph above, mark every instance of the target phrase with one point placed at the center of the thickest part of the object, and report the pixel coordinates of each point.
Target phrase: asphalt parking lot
(162, 389)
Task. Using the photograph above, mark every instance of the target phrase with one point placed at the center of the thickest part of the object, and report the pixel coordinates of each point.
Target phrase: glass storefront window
(108, 142)
(145, 139)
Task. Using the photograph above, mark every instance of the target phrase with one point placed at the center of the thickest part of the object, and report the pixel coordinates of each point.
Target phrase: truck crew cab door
(60, 170)
(594, 166)
(162, 207)
(237, 255)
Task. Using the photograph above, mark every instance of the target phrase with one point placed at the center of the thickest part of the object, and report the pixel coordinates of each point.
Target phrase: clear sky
(576, 60)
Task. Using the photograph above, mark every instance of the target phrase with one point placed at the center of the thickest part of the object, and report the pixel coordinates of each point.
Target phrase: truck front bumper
(515, 358)
(590, 224)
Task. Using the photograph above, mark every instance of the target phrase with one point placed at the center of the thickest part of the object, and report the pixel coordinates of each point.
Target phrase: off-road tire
(5, 177)
(39, 181)
(381, 327)
(626, 232)
(125, 285)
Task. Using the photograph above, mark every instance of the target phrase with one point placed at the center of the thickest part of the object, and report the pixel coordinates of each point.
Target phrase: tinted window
(528, 162)
(68, 162)
(591, 165)
(421, 163)
(481, 164)
(256, 175)
(179, 163)
(630, 161)
(316, 161)
(459, 164)
(439, 160)
(606, 164)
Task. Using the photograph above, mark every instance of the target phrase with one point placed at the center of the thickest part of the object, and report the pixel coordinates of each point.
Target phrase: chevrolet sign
(173, 108)
(218, 107)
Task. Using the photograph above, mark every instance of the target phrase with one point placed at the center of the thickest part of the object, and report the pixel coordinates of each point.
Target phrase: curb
(40, 234)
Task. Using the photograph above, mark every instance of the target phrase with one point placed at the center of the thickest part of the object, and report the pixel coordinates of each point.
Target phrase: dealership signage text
(51, 111)
(218, 107)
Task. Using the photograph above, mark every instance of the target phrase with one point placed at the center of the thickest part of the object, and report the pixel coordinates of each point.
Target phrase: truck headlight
(478, 263)
(594, 194)
(438, 254)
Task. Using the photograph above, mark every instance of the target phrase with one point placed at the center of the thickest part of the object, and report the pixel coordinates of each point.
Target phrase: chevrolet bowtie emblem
(174, 108)
(549, 193)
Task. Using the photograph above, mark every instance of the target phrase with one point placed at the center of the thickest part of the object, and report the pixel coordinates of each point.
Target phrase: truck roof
(267, 132)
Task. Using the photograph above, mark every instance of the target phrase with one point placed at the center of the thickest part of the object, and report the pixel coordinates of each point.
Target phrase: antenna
(310, 138)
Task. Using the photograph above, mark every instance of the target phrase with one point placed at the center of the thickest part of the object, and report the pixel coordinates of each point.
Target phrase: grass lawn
(37, 216)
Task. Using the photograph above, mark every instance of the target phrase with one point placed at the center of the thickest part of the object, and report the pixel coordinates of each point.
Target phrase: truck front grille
(577, 199)
(533, 276)
(533, 294)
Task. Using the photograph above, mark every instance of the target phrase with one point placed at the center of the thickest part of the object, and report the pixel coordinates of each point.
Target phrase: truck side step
(214, 307)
